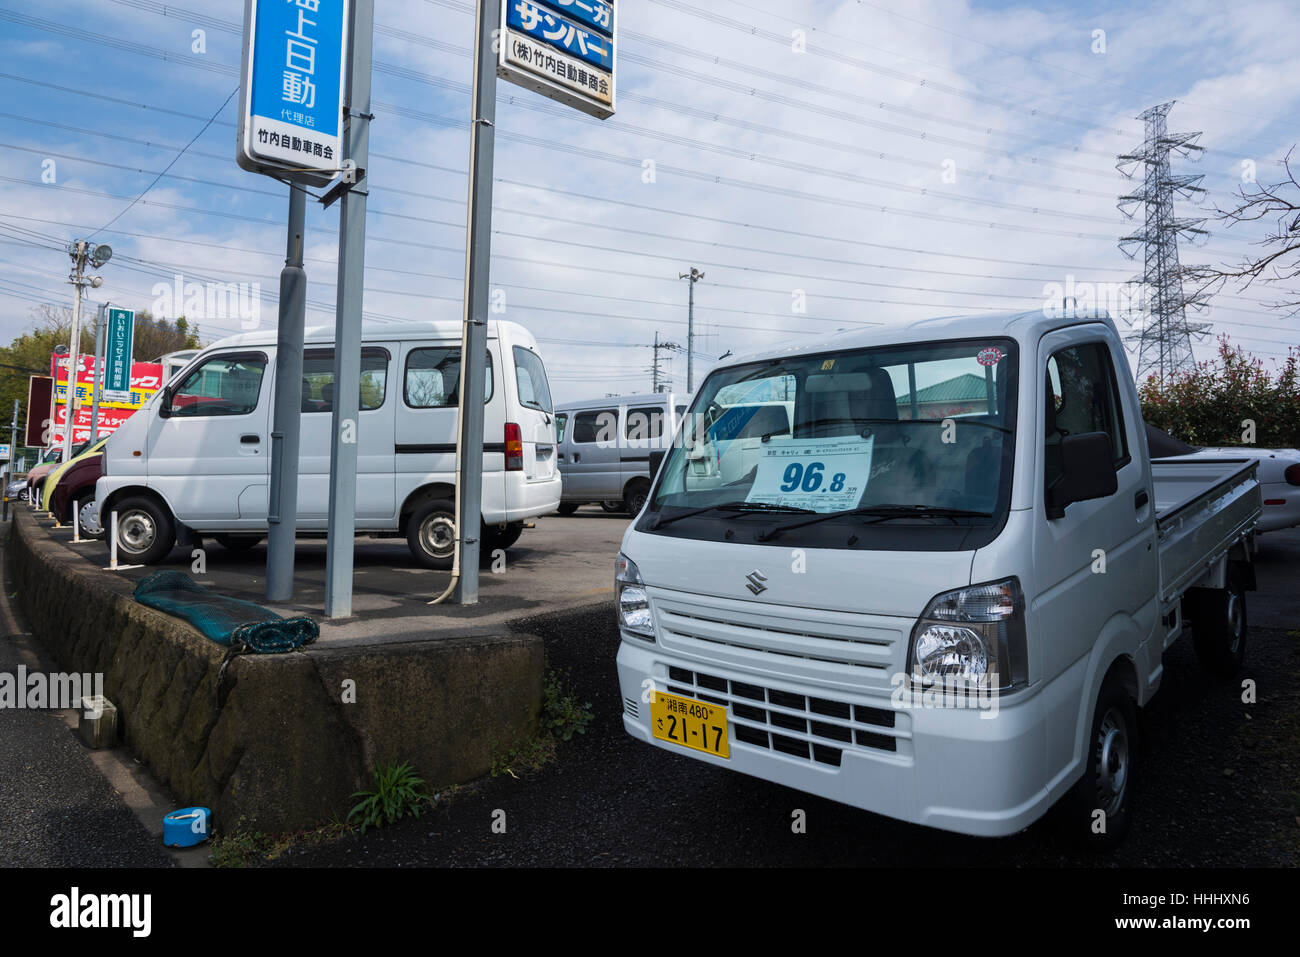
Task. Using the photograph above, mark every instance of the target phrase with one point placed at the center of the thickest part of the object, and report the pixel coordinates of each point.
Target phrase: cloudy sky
(824, 162)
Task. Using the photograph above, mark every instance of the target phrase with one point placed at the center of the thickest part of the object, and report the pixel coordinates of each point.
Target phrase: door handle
(576, 456)
(1141, 499)
(250, 439)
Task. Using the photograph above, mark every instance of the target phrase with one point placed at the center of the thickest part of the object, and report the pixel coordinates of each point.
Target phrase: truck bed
(1203, 507)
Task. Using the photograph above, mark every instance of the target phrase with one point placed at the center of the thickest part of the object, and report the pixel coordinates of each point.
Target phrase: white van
(605, 447)
(938, 584)
(196, 458)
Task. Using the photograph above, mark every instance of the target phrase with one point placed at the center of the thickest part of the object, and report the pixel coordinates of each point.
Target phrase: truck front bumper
(977, 770)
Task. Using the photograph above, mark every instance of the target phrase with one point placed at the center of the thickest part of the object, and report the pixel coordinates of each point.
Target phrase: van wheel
(567, 508)
(238, 543)
(612, 506)
(1099, 806)
(634, 498)
(1219, 629)
(145, 533)
(431, 534)
(503, 538)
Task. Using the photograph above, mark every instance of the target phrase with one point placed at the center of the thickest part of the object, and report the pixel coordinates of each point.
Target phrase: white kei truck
(941, 587)
(195, 460)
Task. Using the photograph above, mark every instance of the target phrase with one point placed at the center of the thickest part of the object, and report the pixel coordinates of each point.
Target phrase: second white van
(195, 460)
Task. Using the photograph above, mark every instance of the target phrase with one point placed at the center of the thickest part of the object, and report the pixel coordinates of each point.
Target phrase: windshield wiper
(880, 513)
(739, 506)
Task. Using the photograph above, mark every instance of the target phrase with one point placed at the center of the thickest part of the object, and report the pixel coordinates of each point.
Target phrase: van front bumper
(974, 770)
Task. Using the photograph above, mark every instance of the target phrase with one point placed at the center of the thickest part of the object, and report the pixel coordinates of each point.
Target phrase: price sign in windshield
(825, 475)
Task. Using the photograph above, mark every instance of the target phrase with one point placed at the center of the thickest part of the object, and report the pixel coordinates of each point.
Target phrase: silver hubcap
(1112, 761)
(438, 535)
(136, 531)
(89, 518)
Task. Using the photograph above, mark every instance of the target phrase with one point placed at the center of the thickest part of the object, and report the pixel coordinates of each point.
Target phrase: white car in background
(1279, 474)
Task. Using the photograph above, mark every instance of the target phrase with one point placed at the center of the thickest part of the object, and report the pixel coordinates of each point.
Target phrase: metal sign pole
(473, 356)
(97, 382)
(347, 325)
(286, 430)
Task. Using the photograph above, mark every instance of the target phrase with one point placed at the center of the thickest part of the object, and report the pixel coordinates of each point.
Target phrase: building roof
(966, 387)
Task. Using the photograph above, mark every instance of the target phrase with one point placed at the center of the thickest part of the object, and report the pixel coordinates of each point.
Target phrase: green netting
(227, 621)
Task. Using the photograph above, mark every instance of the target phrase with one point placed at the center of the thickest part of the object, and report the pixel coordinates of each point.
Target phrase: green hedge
(1211, 405)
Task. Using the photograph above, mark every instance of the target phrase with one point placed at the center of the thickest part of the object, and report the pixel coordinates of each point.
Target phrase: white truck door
(1098, 560)
(210, 446)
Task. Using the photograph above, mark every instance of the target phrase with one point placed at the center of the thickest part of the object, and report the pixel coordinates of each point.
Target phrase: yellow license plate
(690, 723)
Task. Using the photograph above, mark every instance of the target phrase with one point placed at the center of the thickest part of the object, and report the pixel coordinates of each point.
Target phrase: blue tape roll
(187, 827)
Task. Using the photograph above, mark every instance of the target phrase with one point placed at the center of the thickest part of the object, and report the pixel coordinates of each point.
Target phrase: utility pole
(473, 352)
(655, 374)
(286, 427)
(1165, 339)
(81, 252)
(97, 383)
(694, 276)
(347, 323)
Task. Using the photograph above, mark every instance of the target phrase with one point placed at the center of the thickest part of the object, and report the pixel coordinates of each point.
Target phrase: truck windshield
(900, 437)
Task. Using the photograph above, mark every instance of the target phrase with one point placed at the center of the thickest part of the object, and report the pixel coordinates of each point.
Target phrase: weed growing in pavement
(398, 792)
(562, 717)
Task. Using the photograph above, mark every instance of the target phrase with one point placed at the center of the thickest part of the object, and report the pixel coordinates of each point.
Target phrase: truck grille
(851, 650)
(815, 729)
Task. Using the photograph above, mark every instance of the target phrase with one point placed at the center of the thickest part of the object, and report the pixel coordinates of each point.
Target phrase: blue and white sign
(4, 452)
(825, 475)
(292, 88)
(563, 49)
(120, 341)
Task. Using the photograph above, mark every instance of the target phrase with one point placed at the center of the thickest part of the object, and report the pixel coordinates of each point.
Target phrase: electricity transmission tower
(1165, 337)
(658, 380)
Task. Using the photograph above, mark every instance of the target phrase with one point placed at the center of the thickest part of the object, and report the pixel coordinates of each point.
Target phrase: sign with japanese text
(117, 355)
(825, 475)
(292, 88)
(563, 49)
(146, 379)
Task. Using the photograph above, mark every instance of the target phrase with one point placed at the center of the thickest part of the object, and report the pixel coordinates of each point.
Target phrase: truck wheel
(238, 543)
(431, 534)
(145, 533)
(502, 538)
(1219, 629)
(1099, 806)
(567, 508)
(634, 498)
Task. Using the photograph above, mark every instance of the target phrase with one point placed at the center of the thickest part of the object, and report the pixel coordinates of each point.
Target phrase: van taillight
(514, 448)
(1292, 474)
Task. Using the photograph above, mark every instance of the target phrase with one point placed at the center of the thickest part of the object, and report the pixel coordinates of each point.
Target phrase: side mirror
(656, 461)
(165, 404)
(1087, 472)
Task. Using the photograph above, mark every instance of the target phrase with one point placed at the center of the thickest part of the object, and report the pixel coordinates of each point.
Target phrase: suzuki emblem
(754, 582)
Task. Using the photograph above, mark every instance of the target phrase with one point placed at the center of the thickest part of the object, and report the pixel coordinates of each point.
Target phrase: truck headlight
(973, 635)
(633, 602)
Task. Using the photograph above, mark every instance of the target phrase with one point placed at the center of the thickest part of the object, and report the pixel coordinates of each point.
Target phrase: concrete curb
(281, 741)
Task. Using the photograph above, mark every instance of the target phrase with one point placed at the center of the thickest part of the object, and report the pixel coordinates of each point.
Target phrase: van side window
(645, 423)
(592, 427)
(1080, 395)
(432, 377)
(224, 385)
(530, 377)
(318, 379)
(561, 421)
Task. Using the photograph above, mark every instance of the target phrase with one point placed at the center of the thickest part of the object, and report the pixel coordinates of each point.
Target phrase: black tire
(634, 498)
(1219, 628)
(238, 543)
(1108, 779)
(567, 508)
(145, 532)
(431, 534)
(502, 538)
(613, 507)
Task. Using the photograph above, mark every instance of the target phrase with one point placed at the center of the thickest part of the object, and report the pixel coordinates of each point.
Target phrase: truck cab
(937, 578)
